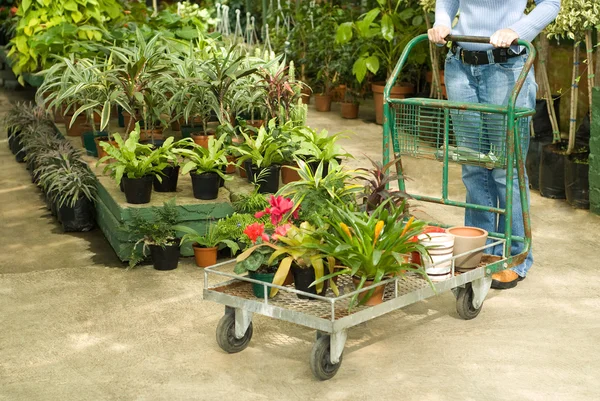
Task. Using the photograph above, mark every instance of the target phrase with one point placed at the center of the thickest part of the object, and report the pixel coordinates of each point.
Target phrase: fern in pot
(157, 235)
(205, 166)
(133, 163)
(206, 246)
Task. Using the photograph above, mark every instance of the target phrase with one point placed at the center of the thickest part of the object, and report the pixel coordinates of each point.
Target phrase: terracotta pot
(255, 123)
(176, 125)
(59, 115)
(101, 152)
(127, 117)
(323, 103)
(204, 257)
(201, 139)
(349, 110)
(306, 92)
(231, 168)
(79, 126)
(242, 172)
(376, 298)
(429, 77)
(288, 174)
(339, 93)
(400, 91)
(151, 134)
(440, 247)
(465, 240)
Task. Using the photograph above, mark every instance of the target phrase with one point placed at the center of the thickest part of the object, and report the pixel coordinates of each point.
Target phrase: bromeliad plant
(259, 255)
(371, 247)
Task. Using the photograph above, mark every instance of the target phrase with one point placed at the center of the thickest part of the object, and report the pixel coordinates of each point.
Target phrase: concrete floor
(77, 326)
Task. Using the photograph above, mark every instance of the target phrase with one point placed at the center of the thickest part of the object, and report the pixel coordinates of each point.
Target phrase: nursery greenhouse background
(267, 199)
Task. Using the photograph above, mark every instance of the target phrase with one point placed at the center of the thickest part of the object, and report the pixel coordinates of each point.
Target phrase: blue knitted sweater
(484, 17)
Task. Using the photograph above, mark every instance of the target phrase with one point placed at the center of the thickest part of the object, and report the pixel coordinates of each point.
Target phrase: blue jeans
(491, 84)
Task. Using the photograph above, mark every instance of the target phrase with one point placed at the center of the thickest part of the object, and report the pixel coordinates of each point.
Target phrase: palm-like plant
(68, 181)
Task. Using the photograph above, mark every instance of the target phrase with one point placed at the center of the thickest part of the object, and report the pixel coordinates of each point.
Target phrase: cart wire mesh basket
(469, 136)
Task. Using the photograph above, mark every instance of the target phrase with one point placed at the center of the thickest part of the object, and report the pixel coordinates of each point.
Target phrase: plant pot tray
(328, 314)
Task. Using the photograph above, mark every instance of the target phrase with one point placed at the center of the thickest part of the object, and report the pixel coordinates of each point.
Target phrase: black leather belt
(500, 55)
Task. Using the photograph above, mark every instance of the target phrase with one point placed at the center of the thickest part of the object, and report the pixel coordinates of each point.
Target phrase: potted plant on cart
(156, 234)
(205, 166)
(206, 246)
(371, 246)
(134, 164)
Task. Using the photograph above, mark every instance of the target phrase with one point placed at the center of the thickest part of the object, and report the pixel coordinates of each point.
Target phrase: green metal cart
(416, 127)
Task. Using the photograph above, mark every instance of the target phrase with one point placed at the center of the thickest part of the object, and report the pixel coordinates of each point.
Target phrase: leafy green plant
(158, 230)
(370, 245)
(264, 150)
(313, 191)
(131, 159)
(47, 28)
(318, 146)
(204, 160)
(384, 31)
(211, 239)
(250, 204)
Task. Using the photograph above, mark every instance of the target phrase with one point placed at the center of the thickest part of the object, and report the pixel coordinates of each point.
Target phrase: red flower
(256, 230)
(280, 206)
(281, 231)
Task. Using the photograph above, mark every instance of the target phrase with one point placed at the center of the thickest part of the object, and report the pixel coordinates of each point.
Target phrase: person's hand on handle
(503, 38)
(438, 33)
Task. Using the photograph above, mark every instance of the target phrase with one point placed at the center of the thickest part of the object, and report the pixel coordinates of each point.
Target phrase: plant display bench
(328, 314)
(113, 213)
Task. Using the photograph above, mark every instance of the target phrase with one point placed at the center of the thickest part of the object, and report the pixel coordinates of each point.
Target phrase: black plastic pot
(169, 177)
(269, 182)
(221, 180)
(165, 258)
(303, 277)
(78, 218)
(205, 185)
(552, 171)
(577, 185)
(138, 190)
(315, 165)
(532, 163)
(248, 168)
(541, 120)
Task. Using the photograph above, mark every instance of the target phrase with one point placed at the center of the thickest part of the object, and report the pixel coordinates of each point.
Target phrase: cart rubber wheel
(226, 335)
(464, 303)
(320, 364)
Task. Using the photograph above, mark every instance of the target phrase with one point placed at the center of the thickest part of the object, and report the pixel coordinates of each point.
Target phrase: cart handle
(471, 39)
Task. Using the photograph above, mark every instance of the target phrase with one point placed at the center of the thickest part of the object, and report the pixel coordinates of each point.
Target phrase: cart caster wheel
(320, 365)
(226, 335)
(464, 303)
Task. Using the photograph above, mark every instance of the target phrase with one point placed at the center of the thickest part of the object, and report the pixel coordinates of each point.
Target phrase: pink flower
(281, 231)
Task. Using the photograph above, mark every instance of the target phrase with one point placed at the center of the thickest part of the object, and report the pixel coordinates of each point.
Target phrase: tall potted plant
(384, 31)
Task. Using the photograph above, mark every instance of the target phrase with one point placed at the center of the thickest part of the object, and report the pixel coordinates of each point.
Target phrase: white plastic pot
(440, 247)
